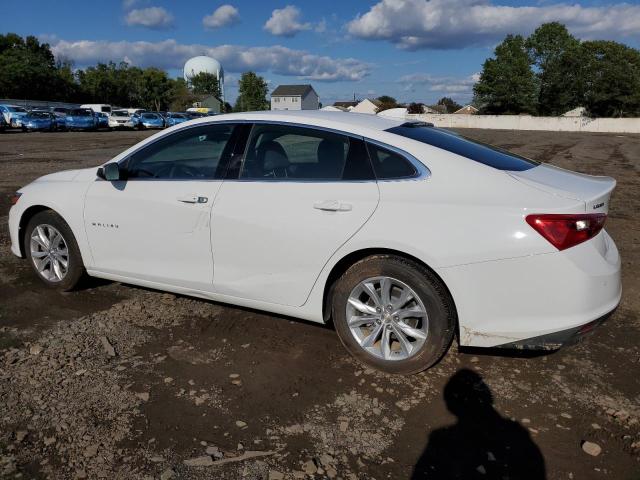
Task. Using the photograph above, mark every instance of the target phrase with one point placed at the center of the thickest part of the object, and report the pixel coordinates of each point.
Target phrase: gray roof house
(294, 97)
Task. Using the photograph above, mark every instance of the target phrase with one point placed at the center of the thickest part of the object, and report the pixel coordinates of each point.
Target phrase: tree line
(29, 70)
(551, 72)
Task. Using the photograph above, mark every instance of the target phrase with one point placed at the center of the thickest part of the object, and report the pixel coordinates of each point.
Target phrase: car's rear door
(155, 225)
(299, 194)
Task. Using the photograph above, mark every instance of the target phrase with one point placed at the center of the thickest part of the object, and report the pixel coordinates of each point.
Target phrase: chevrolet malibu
(402, 234)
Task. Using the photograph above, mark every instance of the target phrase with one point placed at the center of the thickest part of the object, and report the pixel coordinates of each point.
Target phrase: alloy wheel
(387, 318)
(49, 253)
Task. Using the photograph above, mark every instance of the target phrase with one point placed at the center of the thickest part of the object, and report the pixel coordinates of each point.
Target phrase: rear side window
(472, 149)
(281, 152)
(389, 165)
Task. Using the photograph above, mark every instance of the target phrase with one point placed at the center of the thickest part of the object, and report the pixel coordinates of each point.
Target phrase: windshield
(81, 112)
(178, 115)
(39, 115)
(472, 149)
(120, 113)
(149, 115)
(16, 109)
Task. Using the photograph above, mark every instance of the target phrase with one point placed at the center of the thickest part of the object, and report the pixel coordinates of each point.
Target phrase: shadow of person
(481, 444)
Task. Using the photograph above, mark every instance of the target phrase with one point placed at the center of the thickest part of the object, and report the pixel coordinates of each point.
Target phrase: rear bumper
(537, 300)
(557, 340)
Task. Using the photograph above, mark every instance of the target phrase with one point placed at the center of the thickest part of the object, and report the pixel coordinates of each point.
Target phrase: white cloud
(223, 16)
(151, 17)
(286, 22)
(169, 54)
(445, 24)
(425, 82)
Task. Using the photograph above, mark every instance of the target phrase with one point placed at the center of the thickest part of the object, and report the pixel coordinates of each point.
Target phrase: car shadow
(481, 444)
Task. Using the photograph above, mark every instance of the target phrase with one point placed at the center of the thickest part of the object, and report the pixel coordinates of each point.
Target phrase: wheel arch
(345, 262)
(27, 215)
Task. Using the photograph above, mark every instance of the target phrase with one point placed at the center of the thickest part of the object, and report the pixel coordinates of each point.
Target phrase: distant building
(467, 110)
(367, 106)
(209, 102)
(294, 97)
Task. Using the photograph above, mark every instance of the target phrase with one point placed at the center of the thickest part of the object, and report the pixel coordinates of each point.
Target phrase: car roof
(347, 121)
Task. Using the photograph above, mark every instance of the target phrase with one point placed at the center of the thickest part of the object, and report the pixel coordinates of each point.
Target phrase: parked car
(122, 119)
(39, 120)
(401, 233)
(61, 116)
(173, 118)
(150, 120)
(103, 120)
(81, 119)
(13, 115)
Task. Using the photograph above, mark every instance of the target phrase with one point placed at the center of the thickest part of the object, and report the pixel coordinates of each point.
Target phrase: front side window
(190, 154)
(277, 152)
(389, 165)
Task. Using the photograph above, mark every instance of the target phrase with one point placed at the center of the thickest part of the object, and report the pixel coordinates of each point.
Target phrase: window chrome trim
(423, 171)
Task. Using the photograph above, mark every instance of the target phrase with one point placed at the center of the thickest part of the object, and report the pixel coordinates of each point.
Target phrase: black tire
(75, 268)
(431, 292)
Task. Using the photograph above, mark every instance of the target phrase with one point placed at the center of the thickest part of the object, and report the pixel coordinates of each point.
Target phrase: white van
(98, 107)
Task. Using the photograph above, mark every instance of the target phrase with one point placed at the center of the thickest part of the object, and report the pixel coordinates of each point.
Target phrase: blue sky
(414, 50)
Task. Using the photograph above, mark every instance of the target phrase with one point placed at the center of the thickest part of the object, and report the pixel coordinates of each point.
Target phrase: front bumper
(538, 299)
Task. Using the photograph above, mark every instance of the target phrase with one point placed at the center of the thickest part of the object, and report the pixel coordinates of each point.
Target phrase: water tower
(201, 64)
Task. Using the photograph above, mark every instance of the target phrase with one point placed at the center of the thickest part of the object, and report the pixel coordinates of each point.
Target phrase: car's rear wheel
(52, 251)
(393, 314)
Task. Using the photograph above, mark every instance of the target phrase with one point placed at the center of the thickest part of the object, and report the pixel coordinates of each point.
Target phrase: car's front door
(155, 225)
(299, 195)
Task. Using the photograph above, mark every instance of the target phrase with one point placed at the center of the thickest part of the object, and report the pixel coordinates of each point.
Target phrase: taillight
(14, 198)
(567, 230)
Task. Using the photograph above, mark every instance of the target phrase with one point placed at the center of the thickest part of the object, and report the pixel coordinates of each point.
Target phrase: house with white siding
(294, 97)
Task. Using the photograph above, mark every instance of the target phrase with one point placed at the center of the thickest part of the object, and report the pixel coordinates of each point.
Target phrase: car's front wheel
(52, 251)
(393, 314)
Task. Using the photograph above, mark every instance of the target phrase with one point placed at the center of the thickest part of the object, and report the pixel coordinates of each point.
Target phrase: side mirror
(111, 172)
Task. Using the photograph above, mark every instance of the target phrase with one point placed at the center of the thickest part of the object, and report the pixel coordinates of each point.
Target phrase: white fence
(527, 122)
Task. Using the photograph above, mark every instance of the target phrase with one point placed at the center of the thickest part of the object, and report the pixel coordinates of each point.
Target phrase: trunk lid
(594, 191)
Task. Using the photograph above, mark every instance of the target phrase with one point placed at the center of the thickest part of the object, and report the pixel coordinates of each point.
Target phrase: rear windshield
(39, 115)
(16, 109)
(149, 115)
(472, 149)
(81, 112)
(105, 109)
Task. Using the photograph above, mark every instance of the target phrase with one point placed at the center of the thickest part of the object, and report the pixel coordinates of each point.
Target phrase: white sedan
(402, 234)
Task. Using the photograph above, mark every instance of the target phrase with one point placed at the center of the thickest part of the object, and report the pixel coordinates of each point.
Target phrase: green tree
(155, 89)
(27, 68)
(205, 83)
(611, 76)
(507, 83)
(180, 96)
(555, 54)
(385, 102)
(252, 93)
(450, 104)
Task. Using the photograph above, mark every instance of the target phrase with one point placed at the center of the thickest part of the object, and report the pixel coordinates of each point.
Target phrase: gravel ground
(114, 381)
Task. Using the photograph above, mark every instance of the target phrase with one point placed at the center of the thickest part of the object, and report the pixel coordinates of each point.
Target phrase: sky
(413, 50)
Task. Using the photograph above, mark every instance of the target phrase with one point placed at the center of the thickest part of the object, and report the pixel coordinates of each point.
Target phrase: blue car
(172, 118)
(81, 119)
(39, 120)
(103, 120)
(151, 120)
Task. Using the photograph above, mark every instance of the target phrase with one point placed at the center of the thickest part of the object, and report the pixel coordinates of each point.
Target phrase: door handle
(192, 199)
(332, 206)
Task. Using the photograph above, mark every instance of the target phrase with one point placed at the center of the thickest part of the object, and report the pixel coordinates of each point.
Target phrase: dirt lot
(114, 381)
